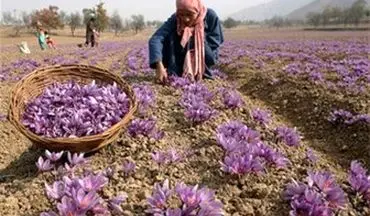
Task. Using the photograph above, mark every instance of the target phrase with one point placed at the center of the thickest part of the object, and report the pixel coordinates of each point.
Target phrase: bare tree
(75, 21)
(314, 19)
(7, 18)
(138, 23)
(116, 22)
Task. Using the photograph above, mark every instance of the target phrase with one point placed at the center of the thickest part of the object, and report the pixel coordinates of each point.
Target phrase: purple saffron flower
(68, 207)
(44, 165)
(173, 155)
(197, 111)
(197, 92)
(170, 156)
(109, 172)
(188, 195)
(179, 82)
(76, 158)
(85, 201)
(239, 165)
(326, 183)
(49, 213)
(99, 209)
(145, 97)
(93, 182)
(115, 204)
(359, 180)
(294, 190)
(231, 98)
(261, 116)
(128, 167)
(53, 156)
(321, 196)
(159, 157)
(357, 169)
(174, 212)
(145, 127)
(289, 136)
(56, 191)
(192, 201)
(158, 200)
(234, 136)
(310, 155)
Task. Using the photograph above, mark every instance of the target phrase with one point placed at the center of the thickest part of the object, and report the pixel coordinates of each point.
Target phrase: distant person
(187, 43)
(90, 35)
(40, 34)
(49, 41)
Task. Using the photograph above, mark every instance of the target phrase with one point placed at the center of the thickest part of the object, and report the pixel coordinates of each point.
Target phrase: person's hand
(161, 73)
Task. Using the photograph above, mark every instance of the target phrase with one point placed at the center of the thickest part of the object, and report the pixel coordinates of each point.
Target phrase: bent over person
(187, 43)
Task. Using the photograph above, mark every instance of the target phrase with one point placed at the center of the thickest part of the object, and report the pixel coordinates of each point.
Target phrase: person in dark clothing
(187, 43)
(90, 29)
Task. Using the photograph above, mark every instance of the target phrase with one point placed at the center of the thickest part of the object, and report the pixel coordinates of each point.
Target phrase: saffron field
(283, 129)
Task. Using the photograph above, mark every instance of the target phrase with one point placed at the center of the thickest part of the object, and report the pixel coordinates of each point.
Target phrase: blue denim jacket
(165, 45)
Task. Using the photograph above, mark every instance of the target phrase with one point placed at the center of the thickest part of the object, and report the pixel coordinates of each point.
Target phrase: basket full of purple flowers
(78, 108)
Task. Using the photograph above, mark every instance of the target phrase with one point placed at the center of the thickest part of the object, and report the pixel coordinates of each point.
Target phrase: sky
(151, 9)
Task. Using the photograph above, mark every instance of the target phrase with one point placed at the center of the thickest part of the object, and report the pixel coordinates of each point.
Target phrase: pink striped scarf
(194, 65)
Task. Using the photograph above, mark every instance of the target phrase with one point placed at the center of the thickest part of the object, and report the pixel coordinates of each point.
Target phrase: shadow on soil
(307, 108)
(22, 167)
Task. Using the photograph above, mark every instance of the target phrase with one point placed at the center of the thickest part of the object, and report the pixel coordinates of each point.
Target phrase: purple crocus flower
(159, 157)
(145, 127)
(56, 191)
(170, 156)
(239, 165)
(192, 201)
(93, 182)
(68, 207)
(326, 183)
(53, 156)
(109, 172)
(85, 201)
(199, 90)
(49, 213)
(359, 180)
(128, 167)
(310, 155)
(100, 209)
(231, 98)
(115, 204)
(44, 165)
(289, 136)
(261, 116)
(145, 97)
(179, 82)
(174, 212)
(234, 136)
(158, 200)
(76, 158)
(321, 196)
(198, 112)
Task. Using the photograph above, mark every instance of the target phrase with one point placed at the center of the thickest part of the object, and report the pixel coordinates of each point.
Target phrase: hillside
(319, 6)
(270, 9)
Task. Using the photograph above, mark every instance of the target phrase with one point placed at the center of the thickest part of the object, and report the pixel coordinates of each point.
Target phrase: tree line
(329, 16)
(335, 15)
(53, 18)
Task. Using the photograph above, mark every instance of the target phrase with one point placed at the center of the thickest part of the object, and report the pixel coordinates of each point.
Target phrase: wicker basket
(33, 85)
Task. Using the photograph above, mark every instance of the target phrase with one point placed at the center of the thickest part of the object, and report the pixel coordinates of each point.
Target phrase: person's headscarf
(194, 64)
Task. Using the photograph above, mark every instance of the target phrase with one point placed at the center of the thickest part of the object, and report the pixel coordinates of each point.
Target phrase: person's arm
(157, 40)
(214, 37)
